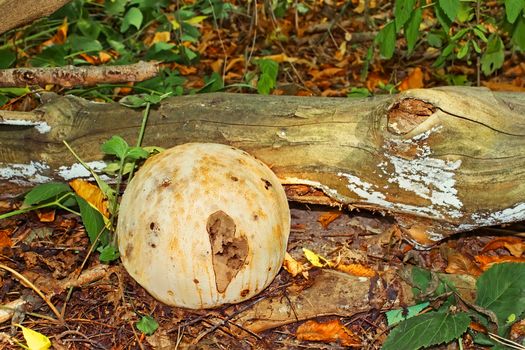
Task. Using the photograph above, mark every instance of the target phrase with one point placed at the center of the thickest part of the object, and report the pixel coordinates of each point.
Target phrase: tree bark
(16, 13)
(439, 160)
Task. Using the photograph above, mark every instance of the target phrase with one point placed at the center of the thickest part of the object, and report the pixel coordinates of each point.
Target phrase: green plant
(268, 75)
(500, 301)
(460, 30)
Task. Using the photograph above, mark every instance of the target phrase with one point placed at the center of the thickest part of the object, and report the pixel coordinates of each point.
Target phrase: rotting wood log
(16, 13)
(439, 160)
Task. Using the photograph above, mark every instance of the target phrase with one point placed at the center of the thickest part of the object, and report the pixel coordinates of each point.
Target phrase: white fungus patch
(28, 172)
(41, 127)
(512, 214)
(77, 170)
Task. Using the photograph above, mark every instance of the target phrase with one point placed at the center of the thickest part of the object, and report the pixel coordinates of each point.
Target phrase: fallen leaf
(357, 270)
(59, 37)
(293, 266)
(331, 331)
(414, 80)
(373, 81)
(514, 245)
(315, 259)
(35, 340)
(46, 215)
(159, 37)
(458, 263)
(92, 194)
(5, 240)
(327, 218)
(499, 86)
(517, 330)
(488, 261)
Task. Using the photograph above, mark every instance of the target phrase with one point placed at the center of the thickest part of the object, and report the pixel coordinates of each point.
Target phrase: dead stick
(70, 76)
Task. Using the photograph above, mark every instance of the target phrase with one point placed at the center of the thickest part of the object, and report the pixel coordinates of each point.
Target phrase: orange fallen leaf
(293, 266)
(373, 81)
(5, 240)
(414, 80)
(59, 37)
(327, 218)
(488, 261)
(515, 245)
(325, 73)
(104, 57)
(92, 194)
(498, 86)
(357, 270)
(331, 331)
(517, 330)
(478, 327)
(46, 215)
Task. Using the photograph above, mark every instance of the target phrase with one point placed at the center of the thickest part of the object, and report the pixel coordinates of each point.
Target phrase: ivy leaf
(44, 192)
(513, 9)
(108, 253)
(147, 325)
(412, 29)
(133, 18)
(428, 329)
(402, 11)
(502, 290)
(386, 38)
(116, 146)
(450, 7)
(92, 219)
(494, 55)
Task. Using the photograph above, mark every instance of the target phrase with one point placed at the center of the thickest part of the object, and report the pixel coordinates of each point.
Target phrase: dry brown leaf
(357, 270)
(293, 266)
(497, 86)
(327, 218)
(517, 330)
(325, 73)
(373, 81)
(488, 261)
(478, 327)
(514, 245)
(92, 194)
(414, 80)
(459, 263)
(5, 240)
(46, 215)
(331, 331)
(104, 57)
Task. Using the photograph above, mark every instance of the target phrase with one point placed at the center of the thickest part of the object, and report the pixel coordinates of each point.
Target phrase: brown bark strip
(16, 13)
(70, 76)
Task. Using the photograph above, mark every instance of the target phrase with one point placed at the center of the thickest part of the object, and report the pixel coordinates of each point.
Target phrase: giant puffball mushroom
(203, 224)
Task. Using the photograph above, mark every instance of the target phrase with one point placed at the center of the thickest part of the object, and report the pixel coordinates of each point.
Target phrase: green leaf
(513, 9)
(268, 78)
(434, 40)
(115, 7)
(402, 11)
(108, 253)
(133, 101)
(386, 38)
(420, 280)
(502, 290)
(395, 316)
(412, 29)
(463, 51)
(7, 58)
(147, 325)
(450, 7)
(493, 57)
(212, 83)
(428, 329)
(116, 146)
(479, 33)
(135, 153)
(50, 56)
(359, 93)
(518, 37)
(133, 18)
(80, 43)
(92, 219)
(443, 18)
(46, 191)
(91, 29)
(3, 99)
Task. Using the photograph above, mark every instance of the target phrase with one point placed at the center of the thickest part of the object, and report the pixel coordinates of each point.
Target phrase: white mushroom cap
(203, 224)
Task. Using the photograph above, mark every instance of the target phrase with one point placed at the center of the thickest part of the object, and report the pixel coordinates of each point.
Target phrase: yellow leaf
(35, 340)
(161, 37)
(92, 194)
(315, 259)
(175, 24)
(293, 267)
(196, 20)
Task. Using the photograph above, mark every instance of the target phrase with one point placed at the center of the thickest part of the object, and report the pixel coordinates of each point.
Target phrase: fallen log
(439, 160)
